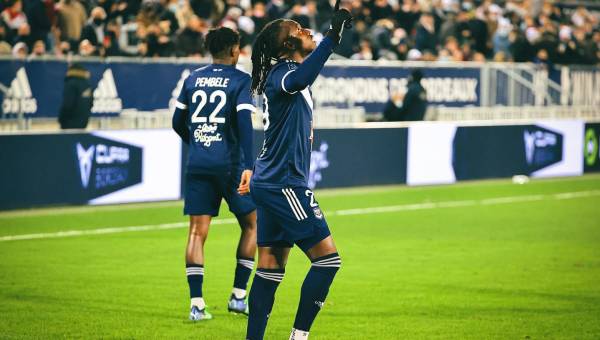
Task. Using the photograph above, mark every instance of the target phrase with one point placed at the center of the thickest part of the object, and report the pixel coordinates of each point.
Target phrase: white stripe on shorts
(295, 198)
(292, 205)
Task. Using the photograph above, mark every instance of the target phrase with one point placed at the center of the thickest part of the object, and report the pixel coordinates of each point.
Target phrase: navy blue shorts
(288, 216)
(203, 195)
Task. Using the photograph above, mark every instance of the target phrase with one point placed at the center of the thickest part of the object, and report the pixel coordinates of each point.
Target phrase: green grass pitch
(477, 260)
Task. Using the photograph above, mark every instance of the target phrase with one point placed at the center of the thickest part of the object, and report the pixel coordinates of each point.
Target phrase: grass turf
(528, 269)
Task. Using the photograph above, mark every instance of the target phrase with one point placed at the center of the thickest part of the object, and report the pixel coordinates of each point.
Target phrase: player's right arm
(308, 71)
(180, 116)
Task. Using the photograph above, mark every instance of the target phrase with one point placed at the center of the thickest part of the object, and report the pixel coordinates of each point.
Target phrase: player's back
(284, 160)
(213, 95)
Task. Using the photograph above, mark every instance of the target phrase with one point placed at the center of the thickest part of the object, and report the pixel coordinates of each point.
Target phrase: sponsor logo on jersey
(318, 162)
(106, 98)
(207, 134)
(18, 97)
(542, 147)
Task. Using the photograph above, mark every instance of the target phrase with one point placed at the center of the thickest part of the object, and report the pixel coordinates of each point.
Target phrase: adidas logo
(18, 98)
(106, 99)
(177, 89)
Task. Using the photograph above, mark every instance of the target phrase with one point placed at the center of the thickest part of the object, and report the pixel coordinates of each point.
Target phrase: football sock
(243, 270)
(262, 297)
(195, 276)
(298, 335)
(315, 289)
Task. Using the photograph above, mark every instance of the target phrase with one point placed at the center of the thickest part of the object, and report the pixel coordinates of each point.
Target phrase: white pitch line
(345, 212)
(113, 230)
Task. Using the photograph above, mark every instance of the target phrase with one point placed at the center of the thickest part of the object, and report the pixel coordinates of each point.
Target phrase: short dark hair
(219, 41)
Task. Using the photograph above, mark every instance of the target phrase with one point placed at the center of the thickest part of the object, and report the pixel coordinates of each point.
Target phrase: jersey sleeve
(305, 74)
(244, 97)
(179, 121)
(245, 107)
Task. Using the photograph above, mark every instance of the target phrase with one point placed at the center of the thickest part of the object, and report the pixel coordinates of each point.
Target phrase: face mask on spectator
(97, 21)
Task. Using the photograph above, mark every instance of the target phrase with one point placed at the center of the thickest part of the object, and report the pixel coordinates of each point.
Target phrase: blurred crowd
(541, 31)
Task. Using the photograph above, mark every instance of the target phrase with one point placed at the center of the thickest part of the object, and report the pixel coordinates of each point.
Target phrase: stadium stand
(540, 31)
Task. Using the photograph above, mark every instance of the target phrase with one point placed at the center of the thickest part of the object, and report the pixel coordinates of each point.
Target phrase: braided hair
(219, 41)
(267, 46)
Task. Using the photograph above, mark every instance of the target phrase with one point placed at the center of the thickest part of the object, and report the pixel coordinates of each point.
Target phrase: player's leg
(194, 264)
(270, 271)
(322, 252)
(325, 264)
(202, 202)
(245, 263)
(244, 209)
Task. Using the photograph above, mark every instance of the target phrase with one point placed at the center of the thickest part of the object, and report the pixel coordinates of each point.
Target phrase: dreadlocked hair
(267, 46)
(219, 41)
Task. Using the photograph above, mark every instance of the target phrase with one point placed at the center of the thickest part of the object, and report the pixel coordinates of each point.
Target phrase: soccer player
(288, 212)
(213, 116)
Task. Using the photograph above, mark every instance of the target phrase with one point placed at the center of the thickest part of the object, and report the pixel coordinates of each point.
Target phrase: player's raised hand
(341, 19)
(244, 187)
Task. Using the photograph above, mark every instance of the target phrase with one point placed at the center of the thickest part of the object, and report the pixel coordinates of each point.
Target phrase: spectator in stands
(39, 49)
(15, 21)
(365, 52)
(71, 17)
(93, 31)
(158, 43)
(410, 106)
(39, 20)
(87, 49)
(426, 39)
(190, 40)
(20, 50)
(77, 101)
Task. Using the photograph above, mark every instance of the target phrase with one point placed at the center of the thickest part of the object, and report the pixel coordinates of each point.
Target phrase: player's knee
(198, 230)
(248, 222)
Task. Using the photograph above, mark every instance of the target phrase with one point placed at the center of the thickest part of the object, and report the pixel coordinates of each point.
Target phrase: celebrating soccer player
(288, 212)
(212, 115)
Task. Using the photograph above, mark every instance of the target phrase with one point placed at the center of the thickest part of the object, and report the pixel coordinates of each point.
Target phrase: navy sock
(242, 272)
(262, 297)
(315, 289)
(195, 276)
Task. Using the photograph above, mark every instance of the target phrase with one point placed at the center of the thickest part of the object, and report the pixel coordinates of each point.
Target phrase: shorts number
(212, 118)
(310, 194)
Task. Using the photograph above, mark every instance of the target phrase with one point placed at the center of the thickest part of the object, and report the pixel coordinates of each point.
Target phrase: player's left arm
(245, 107)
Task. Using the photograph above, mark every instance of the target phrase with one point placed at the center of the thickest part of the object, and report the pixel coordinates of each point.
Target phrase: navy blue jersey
(287, 116)
(213, 102)
(284, 160)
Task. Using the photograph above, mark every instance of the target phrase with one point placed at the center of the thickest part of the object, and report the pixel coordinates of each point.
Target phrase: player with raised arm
(213, 116)
(287, 210)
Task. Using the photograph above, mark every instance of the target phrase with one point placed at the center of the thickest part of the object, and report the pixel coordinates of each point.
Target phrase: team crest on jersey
(318, 212)
(207, 134)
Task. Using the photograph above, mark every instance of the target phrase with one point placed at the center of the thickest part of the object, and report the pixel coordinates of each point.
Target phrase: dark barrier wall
(591, 145)
(350, 157)
(108, 167)
(503, 151)
(64, 169)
